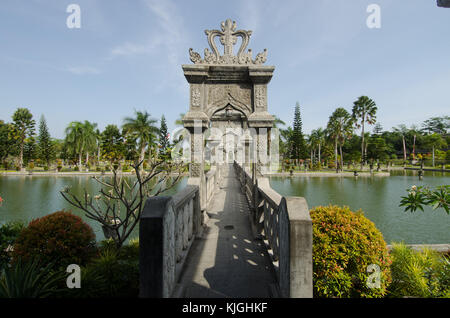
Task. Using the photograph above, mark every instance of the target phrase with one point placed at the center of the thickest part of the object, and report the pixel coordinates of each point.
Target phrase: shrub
(344, 245)
(76, 168)
(31, 165)
(100, 277)
(422, 273)
(29, 279)
(61, 237)
(8, 234)
(46, 168)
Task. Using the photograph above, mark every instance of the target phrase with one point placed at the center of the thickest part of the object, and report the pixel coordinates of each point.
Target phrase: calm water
(29, 197)
(379, 198)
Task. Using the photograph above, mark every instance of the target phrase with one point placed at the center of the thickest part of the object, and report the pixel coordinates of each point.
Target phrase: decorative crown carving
(228, 38)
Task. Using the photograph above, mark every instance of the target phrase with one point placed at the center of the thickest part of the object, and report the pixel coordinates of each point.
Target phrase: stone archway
(237, 83)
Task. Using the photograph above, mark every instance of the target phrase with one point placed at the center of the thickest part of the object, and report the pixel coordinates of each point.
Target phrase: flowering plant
(419, 196)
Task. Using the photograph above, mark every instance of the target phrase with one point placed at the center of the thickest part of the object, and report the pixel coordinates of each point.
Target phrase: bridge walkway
(227, 261)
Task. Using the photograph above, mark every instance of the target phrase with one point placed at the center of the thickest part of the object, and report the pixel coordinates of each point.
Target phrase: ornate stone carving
(260, 97)
(228, 38)
(218, 94)
(196, 97)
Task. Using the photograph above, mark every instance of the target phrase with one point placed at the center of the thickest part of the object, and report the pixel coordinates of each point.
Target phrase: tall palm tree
(90, 138)
(142, 126)
(364, 111)
(318, 138)
(74, 139)
(339, 128)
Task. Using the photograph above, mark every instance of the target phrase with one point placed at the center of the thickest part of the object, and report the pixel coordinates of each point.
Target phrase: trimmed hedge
(344, 245)
(60, 237)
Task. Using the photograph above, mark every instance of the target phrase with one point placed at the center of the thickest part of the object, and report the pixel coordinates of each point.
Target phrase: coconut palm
(74, 139)
(81, 138)
(339, 128)
(90, 138)
(318, 139)
(364, 111)
(142, 126)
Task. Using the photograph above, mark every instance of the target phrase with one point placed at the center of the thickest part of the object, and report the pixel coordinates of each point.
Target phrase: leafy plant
(28, 279)
(422, 273)
(8, 234)
(419, 196)
(114, 273)
(60, 237)
(344, 245)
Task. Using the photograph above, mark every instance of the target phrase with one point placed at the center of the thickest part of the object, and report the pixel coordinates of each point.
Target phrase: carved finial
(228, 38)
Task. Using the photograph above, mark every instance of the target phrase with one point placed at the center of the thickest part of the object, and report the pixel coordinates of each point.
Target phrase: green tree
(23, 128)
(438, 125)
(112, 143)
(297, 142)
(143, 128)
(7, 143)
(179, 120)
(74, 140)
(317, 140)
(45, 145)
(163, 137)
(434, 141)
(364, 111)
(339, 128)
(90, 137)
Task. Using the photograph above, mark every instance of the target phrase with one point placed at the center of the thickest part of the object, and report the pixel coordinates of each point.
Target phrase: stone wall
(285, 226)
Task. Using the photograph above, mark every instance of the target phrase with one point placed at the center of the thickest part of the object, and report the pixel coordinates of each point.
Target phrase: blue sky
(127, 55)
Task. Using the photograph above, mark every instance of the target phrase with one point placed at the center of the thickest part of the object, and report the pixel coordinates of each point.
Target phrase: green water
(379, 198)
(29, 197)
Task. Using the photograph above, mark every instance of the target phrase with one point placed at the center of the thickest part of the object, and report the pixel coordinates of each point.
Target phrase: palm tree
(318, 138)
(364, 109)
(339, 128)
(179, 121)
(143, 128)
(90, 138)
(74, 139)
(277, 122)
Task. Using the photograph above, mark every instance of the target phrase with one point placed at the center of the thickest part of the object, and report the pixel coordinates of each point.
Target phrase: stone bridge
(227, 233)
(249, 242)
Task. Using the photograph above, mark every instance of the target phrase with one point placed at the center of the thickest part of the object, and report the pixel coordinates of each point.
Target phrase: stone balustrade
(167, 229)
(285, 226)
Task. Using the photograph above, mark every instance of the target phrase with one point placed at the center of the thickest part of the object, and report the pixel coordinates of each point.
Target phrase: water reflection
(29, 197)
(378, 198)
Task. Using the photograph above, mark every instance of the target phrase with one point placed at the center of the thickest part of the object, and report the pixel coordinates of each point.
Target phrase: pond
(378, 198)
(30, 197)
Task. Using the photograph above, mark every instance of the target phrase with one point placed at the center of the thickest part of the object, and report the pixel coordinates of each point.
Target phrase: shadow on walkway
(227, 261)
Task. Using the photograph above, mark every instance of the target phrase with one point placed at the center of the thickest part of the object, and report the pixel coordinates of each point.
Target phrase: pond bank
(62, 174)
(441, 248)
(328, 174)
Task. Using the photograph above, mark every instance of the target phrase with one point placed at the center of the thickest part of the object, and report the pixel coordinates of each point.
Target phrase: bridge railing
(167, 229)
(285, 226)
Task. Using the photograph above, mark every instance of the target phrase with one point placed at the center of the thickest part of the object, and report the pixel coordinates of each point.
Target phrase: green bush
(423, 273)
(344, 245)
(45, 168)
(100, 277)
(8, 234)
(60, 237)
(76, 168)
(30, 279)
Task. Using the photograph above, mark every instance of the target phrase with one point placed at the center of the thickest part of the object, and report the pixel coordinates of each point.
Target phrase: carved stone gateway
(228, 91)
